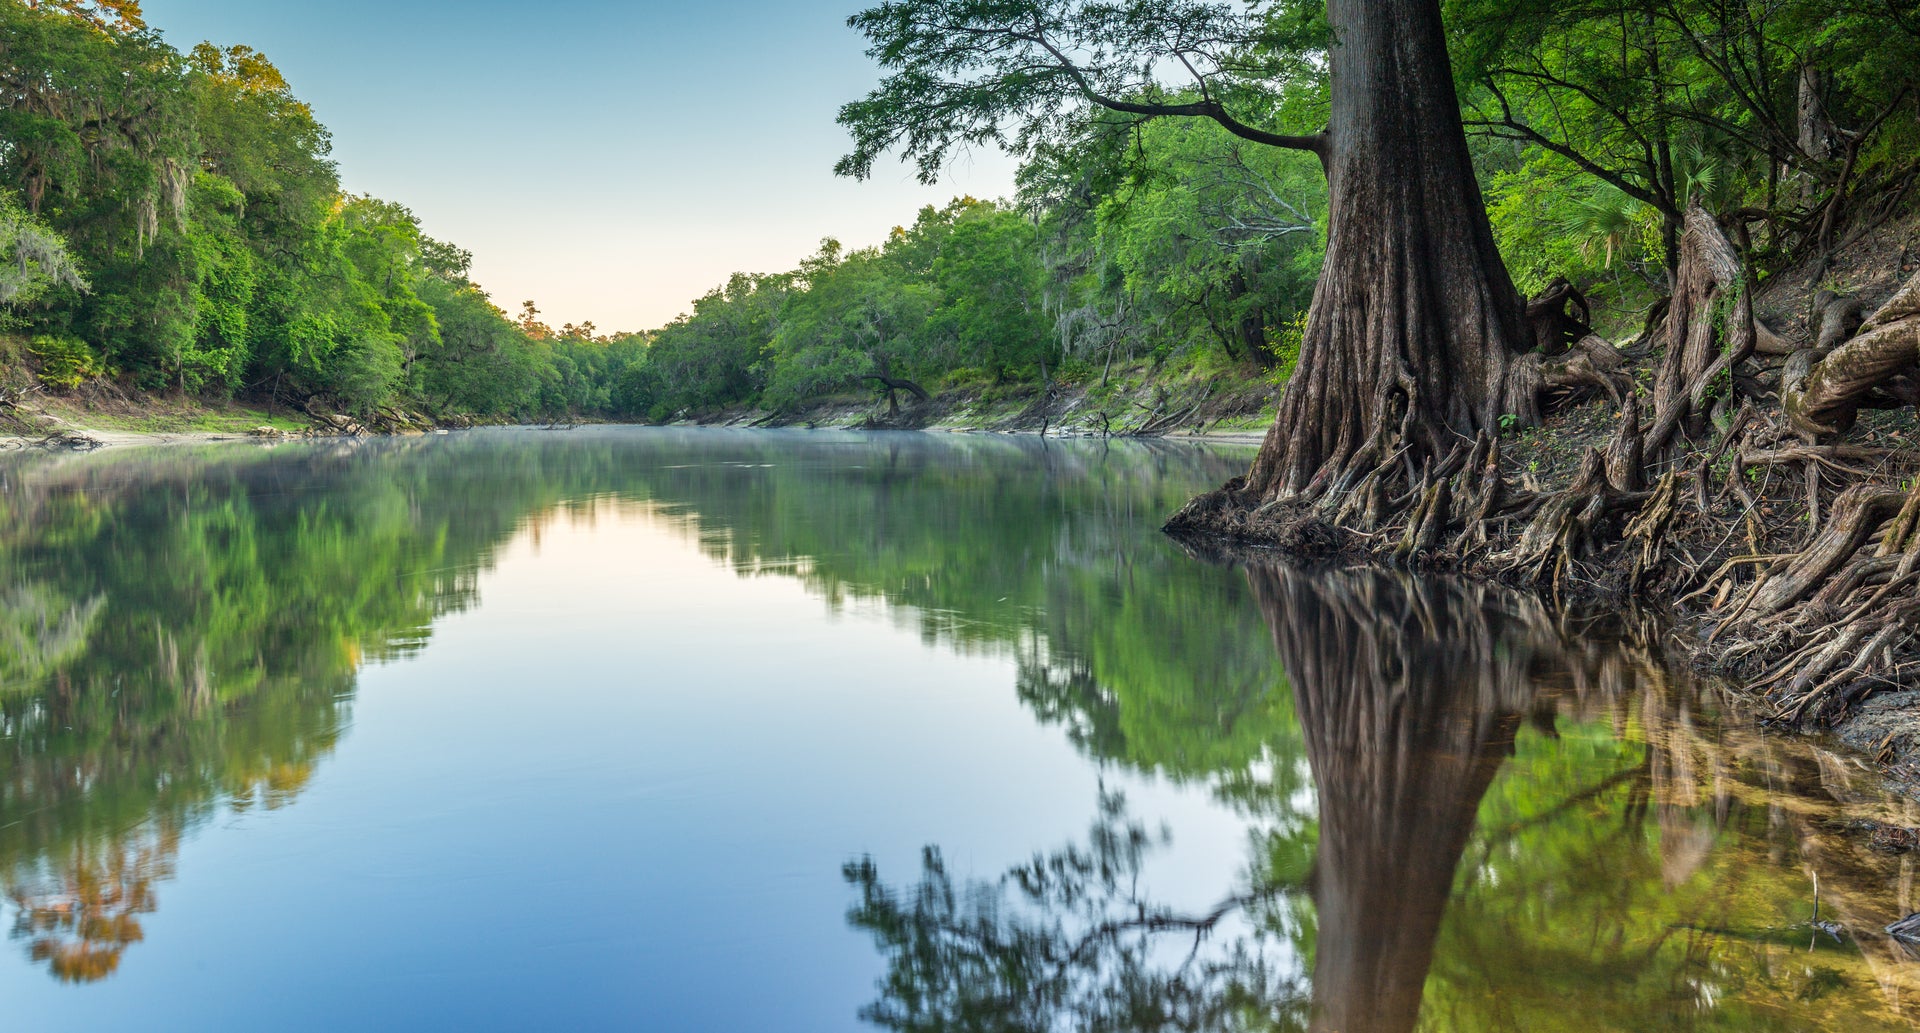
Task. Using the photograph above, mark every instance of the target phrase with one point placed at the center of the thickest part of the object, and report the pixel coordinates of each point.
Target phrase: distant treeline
(175, 221)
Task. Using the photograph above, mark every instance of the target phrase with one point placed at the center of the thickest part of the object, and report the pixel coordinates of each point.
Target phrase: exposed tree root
(1838, 383)
(1693, 504)
(382, 420)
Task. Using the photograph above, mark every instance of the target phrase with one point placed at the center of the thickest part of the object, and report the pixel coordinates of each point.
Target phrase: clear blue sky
(611, 161)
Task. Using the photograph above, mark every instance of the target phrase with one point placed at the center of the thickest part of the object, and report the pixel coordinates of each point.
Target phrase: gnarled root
(1797, 559)
(1696, 358)
(1823, 395)
(1843, 608)
(1558, 317)
(1591, 364)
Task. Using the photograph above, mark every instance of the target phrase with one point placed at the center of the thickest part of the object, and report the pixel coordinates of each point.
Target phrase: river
(618, 729)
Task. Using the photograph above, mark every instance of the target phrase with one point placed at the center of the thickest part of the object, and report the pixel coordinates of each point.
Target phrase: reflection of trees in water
(180, 630)
(79, 913)
(238, 593)
(1656, 863)
(181, 635)
(1408, 695)
(1638, 864)
(39, 631)
(99, 800)
(1068, 941)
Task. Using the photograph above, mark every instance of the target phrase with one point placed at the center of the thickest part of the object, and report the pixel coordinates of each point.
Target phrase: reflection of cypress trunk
(1409, 695)
(1415, 318)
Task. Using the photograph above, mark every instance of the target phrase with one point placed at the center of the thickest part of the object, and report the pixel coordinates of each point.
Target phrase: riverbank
(1879, 729)
(103, 415)
(1135, 399)
(1688, 479)
(1130, 399)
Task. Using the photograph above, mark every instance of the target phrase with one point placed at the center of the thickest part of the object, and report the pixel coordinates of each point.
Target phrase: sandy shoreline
(122, 439)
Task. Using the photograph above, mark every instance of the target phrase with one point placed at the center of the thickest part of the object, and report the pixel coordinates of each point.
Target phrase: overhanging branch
(1206, 107)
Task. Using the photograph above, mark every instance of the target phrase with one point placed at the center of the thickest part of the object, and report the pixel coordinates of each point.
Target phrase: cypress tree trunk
(1415, 327)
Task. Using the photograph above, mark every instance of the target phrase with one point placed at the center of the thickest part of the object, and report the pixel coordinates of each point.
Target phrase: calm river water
(635, 729)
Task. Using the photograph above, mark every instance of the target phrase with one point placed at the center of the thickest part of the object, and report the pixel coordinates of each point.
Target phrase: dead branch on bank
(1158, 421)
(68, 440)
(12, 409)
(24, 428)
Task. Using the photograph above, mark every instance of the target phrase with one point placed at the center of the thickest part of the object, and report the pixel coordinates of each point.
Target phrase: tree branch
(1203, 108)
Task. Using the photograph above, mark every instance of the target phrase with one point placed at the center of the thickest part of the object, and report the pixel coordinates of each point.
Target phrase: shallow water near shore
(722, 730)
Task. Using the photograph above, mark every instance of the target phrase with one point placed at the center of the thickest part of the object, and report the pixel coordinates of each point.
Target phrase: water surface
(696, 730)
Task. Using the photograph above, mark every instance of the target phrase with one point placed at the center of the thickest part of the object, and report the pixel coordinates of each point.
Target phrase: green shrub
(1075, 371)
(1286, 349)
(65, 362)
(962, 378)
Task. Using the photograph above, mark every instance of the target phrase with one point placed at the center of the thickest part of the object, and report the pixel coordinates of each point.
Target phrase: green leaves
(1186, 237)
(1021, 74)
(1669, 101)
(199, 194)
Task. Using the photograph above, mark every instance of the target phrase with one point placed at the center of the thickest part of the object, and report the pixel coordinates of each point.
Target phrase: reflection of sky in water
(634, 697)
(617, 794)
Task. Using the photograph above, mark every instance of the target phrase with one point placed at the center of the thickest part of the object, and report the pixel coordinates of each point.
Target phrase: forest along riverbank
(1134, 399)
(1749, 465)
(103, 413)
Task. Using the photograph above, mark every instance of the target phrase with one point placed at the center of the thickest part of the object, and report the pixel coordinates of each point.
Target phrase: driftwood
(1160, 419)
(386, 419)
(12, 407)
(26, 429)
(70, 440)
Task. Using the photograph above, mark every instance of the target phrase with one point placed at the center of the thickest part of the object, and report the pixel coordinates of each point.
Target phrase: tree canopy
(175, 218)
(1018, 75)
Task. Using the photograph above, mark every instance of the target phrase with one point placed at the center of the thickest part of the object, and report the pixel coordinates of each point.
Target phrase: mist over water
(636, 728)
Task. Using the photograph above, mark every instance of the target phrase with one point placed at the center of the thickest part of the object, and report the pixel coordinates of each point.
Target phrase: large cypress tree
(1414, 338)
